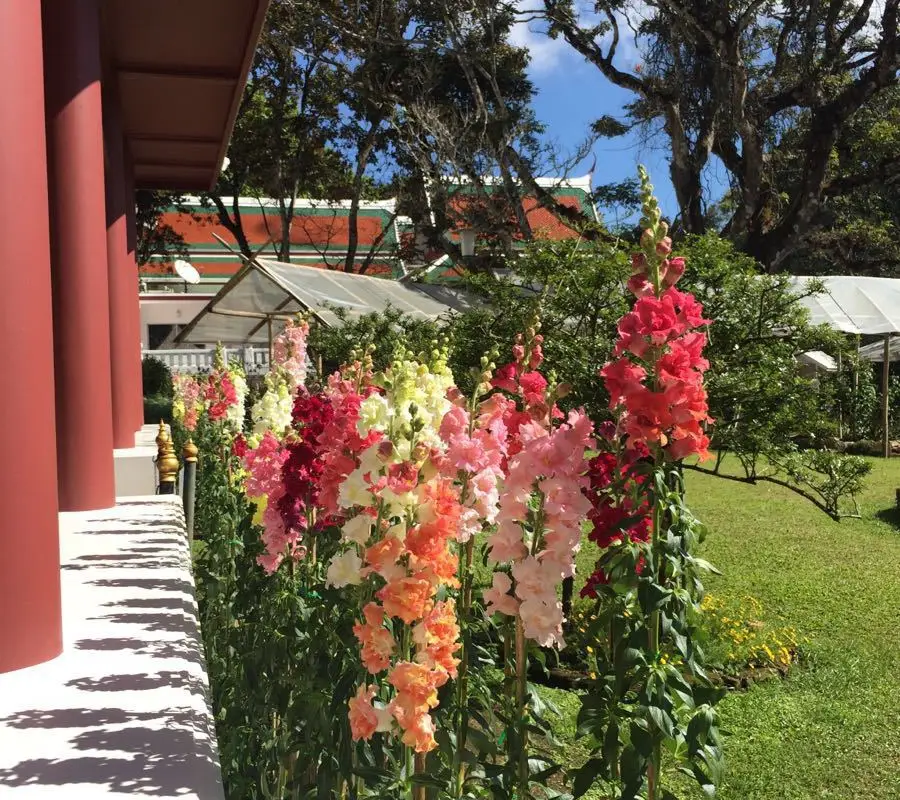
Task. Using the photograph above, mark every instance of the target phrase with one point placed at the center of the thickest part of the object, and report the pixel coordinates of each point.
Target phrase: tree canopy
(769, 90)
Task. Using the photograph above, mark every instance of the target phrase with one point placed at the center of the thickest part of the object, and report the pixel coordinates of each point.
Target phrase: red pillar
(30, 626)
(123, 284)
(134, 318)
(78, 249)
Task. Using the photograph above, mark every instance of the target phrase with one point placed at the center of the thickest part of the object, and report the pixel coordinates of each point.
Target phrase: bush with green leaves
(156, 377)
(763, 404)
(856, 398)
(385, 331)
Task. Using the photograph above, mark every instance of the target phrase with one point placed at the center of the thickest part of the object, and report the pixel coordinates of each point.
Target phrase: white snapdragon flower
(357, 530)
(344, 570)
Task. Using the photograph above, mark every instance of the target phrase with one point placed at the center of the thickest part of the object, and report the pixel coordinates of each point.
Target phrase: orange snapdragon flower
(406, 598)
(437, 638)
(363, 719)
(376, 640)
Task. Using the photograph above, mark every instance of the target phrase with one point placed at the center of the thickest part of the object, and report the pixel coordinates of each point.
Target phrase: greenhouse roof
(854, 304)
(875, 351)
(267, 290)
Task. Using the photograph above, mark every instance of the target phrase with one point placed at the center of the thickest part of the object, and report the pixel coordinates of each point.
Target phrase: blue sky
(572, 93)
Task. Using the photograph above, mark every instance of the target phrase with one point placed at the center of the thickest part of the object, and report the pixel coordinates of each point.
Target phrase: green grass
(832, 728)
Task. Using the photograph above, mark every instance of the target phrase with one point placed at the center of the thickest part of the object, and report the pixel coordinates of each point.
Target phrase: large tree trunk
(287, 224)
(362, 161)
(233, 223)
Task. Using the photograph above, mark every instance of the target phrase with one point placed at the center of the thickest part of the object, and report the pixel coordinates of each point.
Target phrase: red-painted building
(100, 96)
(320, 232)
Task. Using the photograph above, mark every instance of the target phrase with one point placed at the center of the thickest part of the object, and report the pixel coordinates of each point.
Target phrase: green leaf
(662, 721)
(587, 775)
(423, 779)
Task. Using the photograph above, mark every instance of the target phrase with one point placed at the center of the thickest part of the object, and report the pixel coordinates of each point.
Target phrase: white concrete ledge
(124, 710)
(135, 471)
(135, 468)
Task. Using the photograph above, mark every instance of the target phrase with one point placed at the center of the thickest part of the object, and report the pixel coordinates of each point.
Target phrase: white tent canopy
(861, 305)
(267, 291)
(855, 304)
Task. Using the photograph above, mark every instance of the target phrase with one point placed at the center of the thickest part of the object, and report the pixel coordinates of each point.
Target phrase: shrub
(156, 408)
(827, 478)
(156, 377)
(856, 398)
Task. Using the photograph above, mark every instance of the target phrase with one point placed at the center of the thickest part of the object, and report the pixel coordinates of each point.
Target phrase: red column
(134, 316)
(30, 626)
(78, 249)
(123, 284)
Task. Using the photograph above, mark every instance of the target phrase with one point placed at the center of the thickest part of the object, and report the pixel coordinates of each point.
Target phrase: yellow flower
(261, 503)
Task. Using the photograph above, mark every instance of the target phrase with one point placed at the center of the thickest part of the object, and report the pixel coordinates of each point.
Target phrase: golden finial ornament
(162, 436)
(167, 466)
(189, 452)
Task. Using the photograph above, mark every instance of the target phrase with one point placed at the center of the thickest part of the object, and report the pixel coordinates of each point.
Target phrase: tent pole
(840, 403)
(271, 346)
(885, 399)
(855, 410)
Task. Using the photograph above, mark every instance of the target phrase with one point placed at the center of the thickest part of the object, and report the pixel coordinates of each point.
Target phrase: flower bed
(352, 653)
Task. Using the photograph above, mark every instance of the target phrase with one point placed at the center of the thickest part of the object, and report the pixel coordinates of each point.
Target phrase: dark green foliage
(651, 691)
(157, 407)
(758, 396)
(156, 377)
(576, 287)
(157, 381)
(856, 398)
(280, 667)
(385, 331)
(156, 239)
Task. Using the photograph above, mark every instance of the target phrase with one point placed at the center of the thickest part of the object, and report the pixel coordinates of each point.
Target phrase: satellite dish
(187, 272)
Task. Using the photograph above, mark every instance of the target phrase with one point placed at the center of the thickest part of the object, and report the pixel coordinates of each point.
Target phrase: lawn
(832, 728)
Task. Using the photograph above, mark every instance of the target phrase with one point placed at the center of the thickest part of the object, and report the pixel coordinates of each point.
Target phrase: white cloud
(546, 54)
(550, 55)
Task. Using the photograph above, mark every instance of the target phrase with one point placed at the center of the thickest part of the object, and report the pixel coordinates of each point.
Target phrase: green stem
(462, 700)
(521, 712)
(405, 648)
(655, 765)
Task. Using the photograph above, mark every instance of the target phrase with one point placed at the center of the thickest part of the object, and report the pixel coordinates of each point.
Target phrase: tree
(741, 82)
(281, 146)
(855, 232)
(156, 238)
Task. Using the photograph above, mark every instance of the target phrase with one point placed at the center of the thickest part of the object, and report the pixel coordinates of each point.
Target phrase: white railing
(254, 359)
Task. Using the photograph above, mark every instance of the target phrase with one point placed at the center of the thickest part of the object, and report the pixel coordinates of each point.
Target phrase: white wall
(158, 308)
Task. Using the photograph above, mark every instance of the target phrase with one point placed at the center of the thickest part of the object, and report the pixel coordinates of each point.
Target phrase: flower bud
(385, 450)
(638, 263)
(419, 453)
(674, 271)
